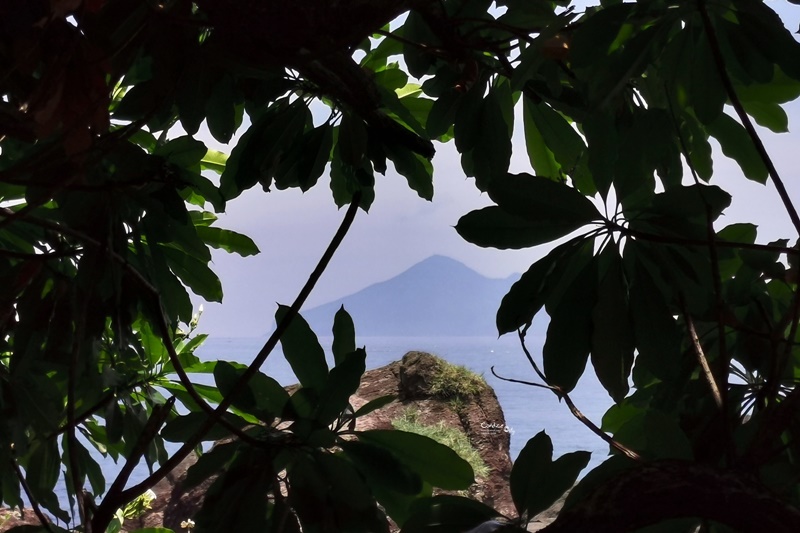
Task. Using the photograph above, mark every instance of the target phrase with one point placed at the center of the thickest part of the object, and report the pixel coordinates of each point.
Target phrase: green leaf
(194, 273)
(227, 240)
(316, 154)
(182, 428)
(706, 92)
(435, 463)
(655, 330)
(263, 396)
(467, 123)
(494, 227)
(780, 90)
(303, 351)
(374, 405)
(542, 200)
(258, 152)
(593, 40)
(221, 109)
(344, 335)
(492, 149)
(446, 514)
(417, 170)
(768, 114)
(352, 139)
(602, 138)
(211, 463)
(443, 114)
(569, 334)
(382, 468)
(416, 30)
(184, 151)
(537, 481)
(342, 383)
(693, 201)
(557, 134)
(540, 156)
(612, 335)
(528, 294)
(215, 161)
(656, 435)
(738, 145)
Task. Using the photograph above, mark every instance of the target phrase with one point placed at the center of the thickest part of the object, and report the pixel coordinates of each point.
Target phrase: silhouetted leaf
(344, 335)
(528, 294)
(435, 463)
(569, 334)
(446, 514)
(374, 405)
(303, 351)
(738, 145)
(558, 135)
(342, 383)
(612, 335)
(542, 200)
(183, 427)
(228, 240)
(382, 468)
(494, 227)
(537, 481)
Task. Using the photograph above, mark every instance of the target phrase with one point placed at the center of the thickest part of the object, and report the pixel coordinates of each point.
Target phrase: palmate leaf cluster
(109, 200)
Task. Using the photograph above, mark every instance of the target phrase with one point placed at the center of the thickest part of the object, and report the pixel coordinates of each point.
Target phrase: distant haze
(436, 297)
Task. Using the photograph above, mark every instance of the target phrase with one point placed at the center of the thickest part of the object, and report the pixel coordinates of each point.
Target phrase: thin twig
(720, 392)
(523, 382)
(703, 360)
(150, 430)
(72, 455)
(637, 234)
(31, 498)
(521, 333)
(564, 395)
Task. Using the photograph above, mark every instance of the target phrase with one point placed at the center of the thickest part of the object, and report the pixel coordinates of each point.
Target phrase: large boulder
(413, 381)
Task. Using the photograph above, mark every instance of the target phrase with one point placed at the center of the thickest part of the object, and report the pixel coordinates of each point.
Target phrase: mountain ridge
(439, 296)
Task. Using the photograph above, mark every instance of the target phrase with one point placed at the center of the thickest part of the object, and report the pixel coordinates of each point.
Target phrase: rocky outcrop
(11, 518)
(478, 415)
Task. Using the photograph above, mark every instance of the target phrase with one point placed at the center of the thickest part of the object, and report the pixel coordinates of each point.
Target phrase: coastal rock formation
(478, 415)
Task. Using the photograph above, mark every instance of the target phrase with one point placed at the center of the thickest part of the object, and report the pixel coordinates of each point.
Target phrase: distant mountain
(437, 297)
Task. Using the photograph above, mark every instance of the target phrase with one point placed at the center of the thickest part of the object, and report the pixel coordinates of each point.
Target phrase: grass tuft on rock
(455, 381)
(450, 436)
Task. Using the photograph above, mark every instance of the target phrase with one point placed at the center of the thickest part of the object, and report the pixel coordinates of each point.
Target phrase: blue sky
(292, 230)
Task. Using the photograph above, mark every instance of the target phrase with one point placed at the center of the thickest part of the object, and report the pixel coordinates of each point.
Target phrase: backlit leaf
(738, 145)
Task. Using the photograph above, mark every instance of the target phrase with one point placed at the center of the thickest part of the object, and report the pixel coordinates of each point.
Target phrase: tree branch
(25, 487)
(563, 395)
(657, 491)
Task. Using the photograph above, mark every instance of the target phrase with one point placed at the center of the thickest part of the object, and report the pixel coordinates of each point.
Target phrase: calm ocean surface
(528, 410)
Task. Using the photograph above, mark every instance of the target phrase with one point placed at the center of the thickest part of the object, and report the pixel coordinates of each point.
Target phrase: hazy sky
(292, 229)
